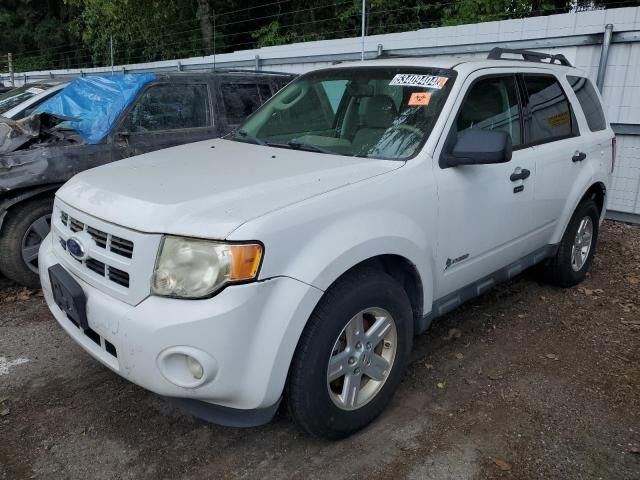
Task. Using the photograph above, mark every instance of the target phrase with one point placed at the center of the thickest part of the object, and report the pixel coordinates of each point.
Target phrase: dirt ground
(527, 382)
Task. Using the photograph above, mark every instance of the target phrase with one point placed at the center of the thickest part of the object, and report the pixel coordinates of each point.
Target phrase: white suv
(298, 257)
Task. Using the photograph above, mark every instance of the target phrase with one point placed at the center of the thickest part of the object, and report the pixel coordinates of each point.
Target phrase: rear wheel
(24, 228)
(351, 355)
(577, 247)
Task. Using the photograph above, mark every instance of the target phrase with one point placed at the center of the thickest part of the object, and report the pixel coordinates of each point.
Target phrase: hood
(208, 189)
(16, 134)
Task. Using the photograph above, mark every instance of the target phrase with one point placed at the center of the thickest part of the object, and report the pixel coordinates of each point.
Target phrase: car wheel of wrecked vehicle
(351, 356)
(23, 230)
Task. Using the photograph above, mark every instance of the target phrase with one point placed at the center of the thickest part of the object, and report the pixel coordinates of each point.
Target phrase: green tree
(48, 34)
(36, 32)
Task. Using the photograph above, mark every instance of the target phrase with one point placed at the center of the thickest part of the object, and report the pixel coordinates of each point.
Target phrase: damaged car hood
(208, 189)
(15, 135)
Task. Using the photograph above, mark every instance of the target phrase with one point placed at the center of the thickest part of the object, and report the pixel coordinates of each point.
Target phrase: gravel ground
(529, 381)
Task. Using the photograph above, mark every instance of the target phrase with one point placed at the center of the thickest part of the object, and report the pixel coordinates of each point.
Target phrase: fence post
(111, 51)
(604, 55)
(11, 76)
(364, 14)
(257, 62)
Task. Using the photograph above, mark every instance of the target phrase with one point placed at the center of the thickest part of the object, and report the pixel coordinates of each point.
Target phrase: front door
(484, 220)
(165, 115)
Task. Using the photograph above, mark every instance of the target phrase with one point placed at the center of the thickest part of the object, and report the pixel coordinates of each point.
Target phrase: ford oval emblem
(75, 248)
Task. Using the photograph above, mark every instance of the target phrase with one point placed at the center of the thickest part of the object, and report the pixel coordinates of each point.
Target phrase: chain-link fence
(270, 24)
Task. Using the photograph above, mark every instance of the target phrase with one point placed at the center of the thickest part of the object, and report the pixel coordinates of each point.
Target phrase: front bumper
(244, 337)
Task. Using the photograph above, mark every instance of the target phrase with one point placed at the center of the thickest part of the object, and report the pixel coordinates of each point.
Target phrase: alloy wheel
(582, 244)
(362, 358)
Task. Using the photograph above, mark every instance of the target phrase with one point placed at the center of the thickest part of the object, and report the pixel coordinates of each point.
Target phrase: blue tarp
(96, 101)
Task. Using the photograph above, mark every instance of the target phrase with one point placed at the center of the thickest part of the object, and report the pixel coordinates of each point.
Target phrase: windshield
(16, 96)
(378, 112)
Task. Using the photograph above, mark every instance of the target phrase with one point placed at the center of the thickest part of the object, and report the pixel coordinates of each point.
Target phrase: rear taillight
(613, 153)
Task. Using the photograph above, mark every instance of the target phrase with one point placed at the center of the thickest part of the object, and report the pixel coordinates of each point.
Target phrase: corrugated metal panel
(624, 195)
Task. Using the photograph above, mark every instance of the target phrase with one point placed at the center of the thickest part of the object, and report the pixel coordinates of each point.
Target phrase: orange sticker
(419, 98)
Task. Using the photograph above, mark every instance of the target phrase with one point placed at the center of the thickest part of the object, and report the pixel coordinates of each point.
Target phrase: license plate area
(68, 295)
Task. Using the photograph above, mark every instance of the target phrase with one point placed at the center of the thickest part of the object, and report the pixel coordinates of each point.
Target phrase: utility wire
(382, 27)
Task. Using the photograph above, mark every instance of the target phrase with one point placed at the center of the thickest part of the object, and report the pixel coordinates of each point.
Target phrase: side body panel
(48, 165)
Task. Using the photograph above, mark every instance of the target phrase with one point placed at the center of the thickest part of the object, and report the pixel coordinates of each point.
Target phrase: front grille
(118, 276)
(75, 225)
(117, 245)
(120, 247)
(99, 237)
(96, 266)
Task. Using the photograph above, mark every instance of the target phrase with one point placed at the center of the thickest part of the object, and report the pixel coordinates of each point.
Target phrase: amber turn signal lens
(245, 261)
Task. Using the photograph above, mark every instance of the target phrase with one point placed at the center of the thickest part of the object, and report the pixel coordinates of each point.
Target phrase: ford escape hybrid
(298, 257)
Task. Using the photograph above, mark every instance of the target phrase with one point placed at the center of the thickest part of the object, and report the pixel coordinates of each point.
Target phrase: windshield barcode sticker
(35, 90)
(414, 80)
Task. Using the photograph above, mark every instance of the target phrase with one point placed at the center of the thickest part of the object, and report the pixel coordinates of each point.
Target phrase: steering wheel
(291, 97)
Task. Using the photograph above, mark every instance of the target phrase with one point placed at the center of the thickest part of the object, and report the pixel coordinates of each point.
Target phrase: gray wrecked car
(101, 119)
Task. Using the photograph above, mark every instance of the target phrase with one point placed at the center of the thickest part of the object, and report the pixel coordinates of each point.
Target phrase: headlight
(191, 268)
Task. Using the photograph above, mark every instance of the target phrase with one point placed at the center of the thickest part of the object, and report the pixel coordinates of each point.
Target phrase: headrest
(378, 111)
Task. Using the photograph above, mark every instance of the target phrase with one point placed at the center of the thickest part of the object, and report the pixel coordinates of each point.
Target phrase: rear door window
(170, 106)
(549, 112)
(242, 99)
(589, 102)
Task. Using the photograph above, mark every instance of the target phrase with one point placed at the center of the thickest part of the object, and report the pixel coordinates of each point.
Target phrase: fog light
(194, 367)
(187, 367)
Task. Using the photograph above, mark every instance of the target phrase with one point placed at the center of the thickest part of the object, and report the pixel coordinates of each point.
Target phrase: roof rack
(528, 56)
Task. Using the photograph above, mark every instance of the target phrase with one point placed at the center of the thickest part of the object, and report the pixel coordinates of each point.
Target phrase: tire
(562, 269)
(25, 225)
(317, 405)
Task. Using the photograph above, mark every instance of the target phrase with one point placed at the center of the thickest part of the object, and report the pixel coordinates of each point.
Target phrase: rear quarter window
(589, 102)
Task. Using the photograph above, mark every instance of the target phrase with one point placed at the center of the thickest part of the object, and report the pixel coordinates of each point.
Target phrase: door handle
(519, 174)
(578, 157)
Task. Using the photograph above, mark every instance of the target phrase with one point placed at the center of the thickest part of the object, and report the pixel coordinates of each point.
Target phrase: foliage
(47, 34)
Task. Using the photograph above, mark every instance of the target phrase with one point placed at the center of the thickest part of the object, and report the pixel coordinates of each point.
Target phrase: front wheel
(24, 228)
(577, 247)
(351, 355)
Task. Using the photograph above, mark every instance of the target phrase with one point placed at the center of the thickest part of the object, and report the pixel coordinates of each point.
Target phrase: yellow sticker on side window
(419, 99)
(558, 120)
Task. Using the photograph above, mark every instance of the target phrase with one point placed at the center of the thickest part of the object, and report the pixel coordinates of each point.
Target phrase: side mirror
(476, 147)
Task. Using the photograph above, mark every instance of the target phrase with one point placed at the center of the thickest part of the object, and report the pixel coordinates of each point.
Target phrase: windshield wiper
(256, 140)
(293, 143)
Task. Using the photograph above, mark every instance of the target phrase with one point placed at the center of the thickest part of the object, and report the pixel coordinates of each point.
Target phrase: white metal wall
(577, 35)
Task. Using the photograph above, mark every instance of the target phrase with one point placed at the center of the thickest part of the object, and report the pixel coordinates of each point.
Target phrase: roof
(454, 62)
(225, 73)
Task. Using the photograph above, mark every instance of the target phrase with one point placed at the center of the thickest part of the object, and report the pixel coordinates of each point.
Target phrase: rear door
(166, 114)
(552, 131)
(595, 131)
